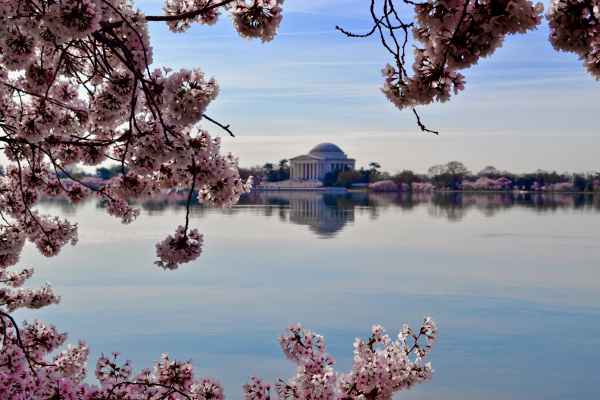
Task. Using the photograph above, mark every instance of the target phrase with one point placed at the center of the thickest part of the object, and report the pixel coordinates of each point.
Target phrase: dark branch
(422, 125)
(220, 125)
(189, 14)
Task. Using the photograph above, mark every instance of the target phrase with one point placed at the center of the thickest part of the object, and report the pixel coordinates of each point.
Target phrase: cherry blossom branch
(190, 14)
(421, 125)
(171, 388)
(220, 125)
(188, 204)
(450, 36)
(18, 337)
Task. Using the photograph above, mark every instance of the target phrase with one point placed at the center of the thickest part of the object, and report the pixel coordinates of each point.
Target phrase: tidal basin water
(513, 282)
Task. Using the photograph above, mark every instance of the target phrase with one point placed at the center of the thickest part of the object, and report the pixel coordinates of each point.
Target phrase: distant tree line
(452, 176)
(348, 178)
(269, 172)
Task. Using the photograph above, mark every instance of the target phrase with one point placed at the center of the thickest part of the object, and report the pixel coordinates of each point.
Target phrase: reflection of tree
(328, 213)
(491, 203)
(451, 206)
(455, 205)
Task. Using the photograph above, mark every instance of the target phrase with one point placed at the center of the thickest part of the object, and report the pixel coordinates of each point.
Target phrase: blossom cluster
(424, 187)
(382, 366)
(207, 13)
(575, 27)
(183, 247)
(384, 186)
(391, 186)
(251, 18)
(76, 88)
(451, 35)
(257, 19)
(28, 371)
(485, 183)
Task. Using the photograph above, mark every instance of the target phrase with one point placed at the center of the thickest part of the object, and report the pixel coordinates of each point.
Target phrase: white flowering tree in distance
(77, 88)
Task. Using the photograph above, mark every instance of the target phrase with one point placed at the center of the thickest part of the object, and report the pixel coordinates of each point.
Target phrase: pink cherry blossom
(382, 366)
(575, 27)
(182, 247)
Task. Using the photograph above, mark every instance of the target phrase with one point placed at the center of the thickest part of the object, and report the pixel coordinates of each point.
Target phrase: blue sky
(525, 107)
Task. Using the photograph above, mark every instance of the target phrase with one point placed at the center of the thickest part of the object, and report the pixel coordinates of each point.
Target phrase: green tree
(256, 172)
(284, 170)
(330, 178)
(490, 172)
(374, 173)
(449, 176)
(348, 178)
(406, 176)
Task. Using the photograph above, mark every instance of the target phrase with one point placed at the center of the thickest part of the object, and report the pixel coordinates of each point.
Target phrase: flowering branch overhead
(448, 36)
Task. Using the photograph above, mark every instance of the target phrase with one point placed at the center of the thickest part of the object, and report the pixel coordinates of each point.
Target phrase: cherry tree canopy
(77, 87)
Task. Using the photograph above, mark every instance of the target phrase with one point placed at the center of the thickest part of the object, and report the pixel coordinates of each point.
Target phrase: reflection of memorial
(324, 219)
(324, 214)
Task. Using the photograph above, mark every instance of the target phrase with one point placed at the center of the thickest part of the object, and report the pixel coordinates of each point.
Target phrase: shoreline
(333, 189)
(301, 189)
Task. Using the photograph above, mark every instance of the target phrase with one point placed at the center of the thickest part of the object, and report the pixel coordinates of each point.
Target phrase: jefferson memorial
(323, 158)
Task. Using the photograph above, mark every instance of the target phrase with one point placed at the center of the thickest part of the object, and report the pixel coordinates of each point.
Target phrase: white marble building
(323, 158)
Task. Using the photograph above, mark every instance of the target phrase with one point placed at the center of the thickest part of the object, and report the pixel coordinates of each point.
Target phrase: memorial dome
(328, 148)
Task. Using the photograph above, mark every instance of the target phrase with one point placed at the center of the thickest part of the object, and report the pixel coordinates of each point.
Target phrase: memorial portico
(323, 158)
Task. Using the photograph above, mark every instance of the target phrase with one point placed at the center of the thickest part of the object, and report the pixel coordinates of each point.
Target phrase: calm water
(513, 283)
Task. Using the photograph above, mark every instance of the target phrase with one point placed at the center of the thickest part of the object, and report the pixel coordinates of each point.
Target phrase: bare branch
(189, 14)
(421, 125)
(220, 125)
